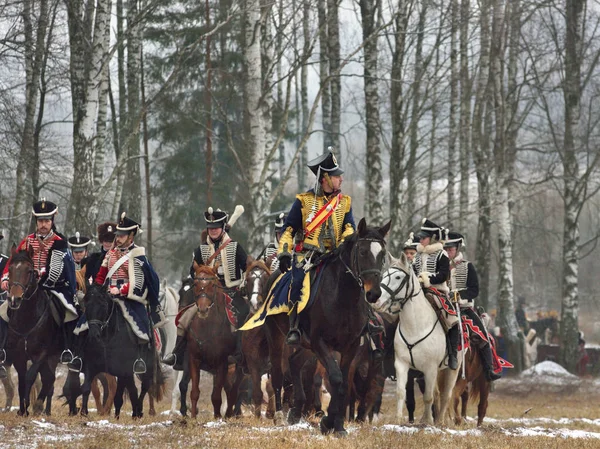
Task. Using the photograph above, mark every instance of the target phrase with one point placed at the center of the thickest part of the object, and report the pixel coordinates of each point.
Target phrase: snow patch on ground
(548, 369)
(516, 432)
(106, 424)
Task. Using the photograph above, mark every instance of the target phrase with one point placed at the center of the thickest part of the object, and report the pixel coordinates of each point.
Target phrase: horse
(420, 340)
(33, 333)
(474, 386)
(111, 347)
(333, 322)
(254, 341)
(211, 340)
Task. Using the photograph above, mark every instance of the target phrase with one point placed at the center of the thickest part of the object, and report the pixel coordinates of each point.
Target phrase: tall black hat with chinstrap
(430, 229)
(411, 243)
(215, 218)
(78, 243)
(127, 225)
(326, 163)
(454, 240)
(44, 210)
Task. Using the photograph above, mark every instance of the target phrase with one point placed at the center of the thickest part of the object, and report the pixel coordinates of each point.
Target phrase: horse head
(368, 256)
(206, 283)
(255, 283)
(22, 277)
(398, 285)
(98, 307)
(186, 293)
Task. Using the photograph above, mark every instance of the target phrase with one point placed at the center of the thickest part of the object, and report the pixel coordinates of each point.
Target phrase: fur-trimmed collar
(431, 248)
(459, 259)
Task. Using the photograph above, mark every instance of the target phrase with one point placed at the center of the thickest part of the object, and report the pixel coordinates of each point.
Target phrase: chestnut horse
(211, 339)
(334, 322)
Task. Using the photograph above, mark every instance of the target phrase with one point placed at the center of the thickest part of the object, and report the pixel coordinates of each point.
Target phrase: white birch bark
(324, 72)
(452, 120)
(465, 114)
(333, 33)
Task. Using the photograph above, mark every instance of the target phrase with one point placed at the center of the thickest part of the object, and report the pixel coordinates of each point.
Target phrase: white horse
(420, 340)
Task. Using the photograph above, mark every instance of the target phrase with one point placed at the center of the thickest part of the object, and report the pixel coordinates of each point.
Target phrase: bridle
(411, 290)
(202, 283)
(354, 268)
(251, 278)
(100, 323)
(31, 279)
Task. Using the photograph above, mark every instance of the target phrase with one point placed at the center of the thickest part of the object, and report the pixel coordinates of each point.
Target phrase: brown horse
(479, 387)
(335, 321)
(254, 341)
(211, 339)
(33, 333)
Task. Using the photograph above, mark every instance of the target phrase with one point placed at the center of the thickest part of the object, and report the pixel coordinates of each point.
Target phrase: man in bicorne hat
(134, 285)
(432, 266)
(312, 229)
(465, 286)
(55, 269)
(218, 249)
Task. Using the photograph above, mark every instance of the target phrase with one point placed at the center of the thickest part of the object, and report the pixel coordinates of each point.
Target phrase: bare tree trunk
(324, 72)
(569, 326)
(149, 224)
(465, 114)
(374, 181)
(34, 57)
(304, 92)
(208, 104)
(432, 140)
(133, 184)
(121, 146)
(397, 170)
(452, 120)
(333, 31)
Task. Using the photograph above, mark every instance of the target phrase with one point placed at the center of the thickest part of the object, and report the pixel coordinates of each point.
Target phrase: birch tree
(465, 114)
(452, 121)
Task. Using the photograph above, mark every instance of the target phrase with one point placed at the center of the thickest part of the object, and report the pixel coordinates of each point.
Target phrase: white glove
(463, 302)
(424, 279)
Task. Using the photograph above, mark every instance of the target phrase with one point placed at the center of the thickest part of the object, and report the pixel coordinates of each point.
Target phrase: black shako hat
(78, 243)
(454, 240)
(430, 229)
(44, 210)
(215, 218)
(127, 225)
(326, 163)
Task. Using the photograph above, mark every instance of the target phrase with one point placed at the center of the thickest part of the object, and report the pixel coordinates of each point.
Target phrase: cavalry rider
(269, 254)
(55, 269)
(465, 285)
(432, 266)
(216, 249)
(317, 223)
(133, 284)
(79, 250)
(106, 237)
(410, 248)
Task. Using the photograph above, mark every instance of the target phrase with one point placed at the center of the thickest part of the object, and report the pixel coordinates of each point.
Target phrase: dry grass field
(525, 413)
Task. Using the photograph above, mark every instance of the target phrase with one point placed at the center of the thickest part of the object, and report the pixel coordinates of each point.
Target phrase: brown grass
(244, 433)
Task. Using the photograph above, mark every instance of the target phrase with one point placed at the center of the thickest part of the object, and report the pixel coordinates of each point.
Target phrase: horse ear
(385, 229)
(195, 266)
(403, 259)
(13, 249)
(362, 226)
(30, 252)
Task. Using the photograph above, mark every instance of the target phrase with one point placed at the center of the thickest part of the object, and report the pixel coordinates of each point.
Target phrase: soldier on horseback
(134, 286)
(79, 249)
(55, 269)
(216, 249)
(106, 237)
(465, 286)
(269, 254)
(432, 266)
(410, 248)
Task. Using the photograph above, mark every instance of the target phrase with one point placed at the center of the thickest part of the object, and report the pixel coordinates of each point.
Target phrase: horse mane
(204, 269)
(260, 264)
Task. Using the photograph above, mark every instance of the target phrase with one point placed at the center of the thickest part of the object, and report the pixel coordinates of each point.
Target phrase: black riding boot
(376, 336)
(294, 336)
(488, 365)
(453, 337)
(3, 337)
(67, 354)
(175, 359)
(71, 341)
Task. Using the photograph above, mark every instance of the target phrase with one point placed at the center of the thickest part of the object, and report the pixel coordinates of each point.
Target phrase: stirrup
(66, 356)
(139, 366)
(75, 365)
(2, 355)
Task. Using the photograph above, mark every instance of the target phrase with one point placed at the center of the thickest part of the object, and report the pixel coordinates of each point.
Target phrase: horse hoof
(279, 419)
(319, 413)
(341, 433)
(293, 417)
(325, 425)
(268, 415)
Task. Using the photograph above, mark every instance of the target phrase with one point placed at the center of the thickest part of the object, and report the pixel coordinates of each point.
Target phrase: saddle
(229, 310)
(442, 306)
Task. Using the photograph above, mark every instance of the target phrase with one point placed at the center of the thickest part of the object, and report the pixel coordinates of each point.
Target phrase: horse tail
(159, 380)
(477, 386)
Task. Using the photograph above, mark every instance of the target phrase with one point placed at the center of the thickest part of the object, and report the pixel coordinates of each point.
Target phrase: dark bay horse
(33, 334)
(111, 347)
(210, 341)
(335, 321)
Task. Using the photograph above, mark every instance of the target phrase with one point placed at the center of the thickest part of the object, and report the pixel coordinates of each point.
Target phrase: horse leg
(447, 380)
(342, 390)
(410, 396)
(296, 362)
(232, 391)
(119, 396)
(430, 375)
(133, 397)
(215, 397)
(317, 386)
(484, 391)
(401, 377)
(195, 374)
(464, 399)
(175, 394)
(86, 388)
(30, 378)
(48, 377)
(183, 388)
(96, 395)
(257, 394)
(21, 368)
(9, 389)
(275, 340)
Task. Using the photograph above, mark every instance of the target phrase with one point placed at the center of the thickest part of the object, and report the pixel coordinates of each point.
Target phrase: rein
(100, 323)
(26, 287)
(354, 268)
(25, 335)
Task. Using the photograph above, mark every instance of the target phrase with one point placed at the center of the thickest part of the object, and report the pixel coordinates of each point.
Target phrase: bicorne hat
(106, 231)
(44, 210)
(215, 218)
(430, 229)
(78, 243)
(127, 225)
(326, 163)
(454, 240)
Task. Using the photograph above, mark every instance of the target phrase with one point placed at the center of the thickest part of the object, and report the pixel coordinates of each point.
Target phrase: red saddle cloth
(157, 340)
(228, 310)
(444, 301)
